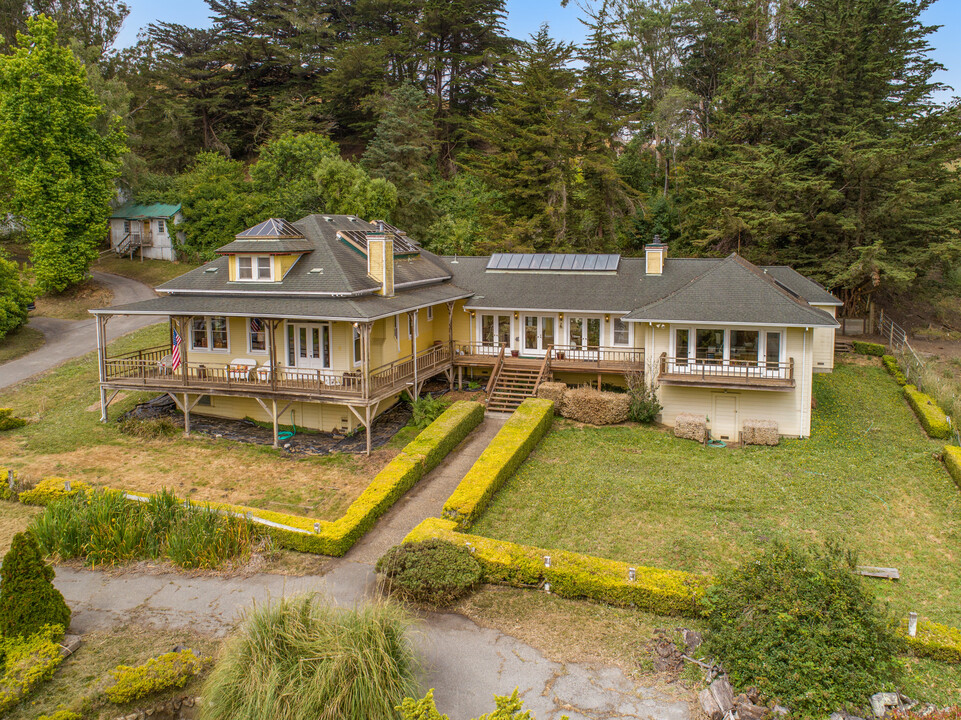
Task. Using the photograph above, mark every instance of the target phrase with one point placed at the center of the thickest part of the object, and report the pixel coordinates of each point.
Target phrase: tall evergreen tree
(58, 170)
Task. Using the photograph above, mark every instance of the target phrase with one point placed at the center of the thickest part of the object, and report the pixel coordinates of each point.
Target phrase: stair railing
(545, 368)
(495, 373)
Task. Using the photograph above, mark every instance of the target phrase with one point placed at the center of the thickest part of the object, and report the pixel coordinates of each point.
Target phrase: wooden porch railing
(495, 373)
(545, 368)
(746, 369)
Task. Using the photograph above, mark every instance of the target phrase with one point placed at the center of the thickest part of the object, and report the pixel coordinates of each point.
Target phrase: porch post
(101, 363)
(184, 344)
(367, 425)
(272, 326)
(450, 336)
(365, 358)
(413, 350)
(186, 409)
(273, 415)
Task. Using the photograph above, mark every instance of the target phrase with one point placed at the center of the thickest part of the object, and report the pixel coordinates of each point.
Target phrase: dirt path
(464, 663)
(68, 339)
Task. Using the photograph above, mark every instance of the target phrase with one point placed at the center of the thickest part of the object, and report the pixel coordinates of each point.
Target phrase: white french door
(584, 336)
(308, 346)
(494, 331)
(539, 333)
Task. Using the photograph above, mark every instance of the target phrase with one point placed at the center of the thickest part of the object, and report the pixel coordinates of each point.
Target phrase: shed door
(724, 419)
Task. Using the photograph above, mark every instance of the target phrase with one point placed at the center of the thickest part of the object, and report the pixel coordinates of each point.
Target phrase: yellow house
(327, 320)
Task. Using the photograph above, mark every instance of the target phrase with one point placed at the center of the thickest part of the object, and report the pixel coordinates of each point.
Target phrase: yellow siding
(310, 415)
(824, 343)
(283, 264)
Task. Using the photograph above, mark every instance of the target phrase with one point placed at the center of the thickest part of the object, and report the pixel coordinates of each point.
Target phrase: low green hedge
(952, 461)
(868, 348)
(170, 670)
(891, 363)
(8, 421)
(509, 448)
(419, 457)
(939, 642)
(28, 662)
(50, 489)
(933, 419)
(666, 592)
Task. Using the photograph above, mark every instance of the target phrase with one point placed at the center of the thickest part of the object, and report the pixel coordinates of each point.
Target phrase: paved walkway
(68, 339)
(464, 663)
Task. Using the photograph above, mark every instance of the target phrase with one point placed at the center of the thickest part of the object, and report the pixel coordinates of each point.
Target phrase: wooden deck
(607, 360)
(728, 375)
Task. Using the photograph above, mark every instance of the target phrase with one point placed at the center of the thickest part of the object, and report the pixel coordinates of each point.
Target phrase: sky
(526, 16)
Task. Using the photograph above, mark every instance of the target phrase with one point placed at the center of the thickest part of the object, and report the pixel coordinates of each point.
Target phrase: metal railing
(738, 369)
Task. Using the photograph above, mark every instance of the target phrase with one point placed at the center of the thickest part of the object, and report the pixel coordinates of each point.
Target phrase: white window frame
(358, 356)
(397, 331)
(692, 362)
(255, 268)
(430, 313)
(208, 328)
(250, 348)
(126, 227)
(412, 322)
(161, 228)
(630, 334)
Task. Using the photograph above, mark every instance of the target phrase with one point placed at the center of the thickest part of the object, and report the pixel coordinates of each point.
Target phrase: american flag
(175, 355)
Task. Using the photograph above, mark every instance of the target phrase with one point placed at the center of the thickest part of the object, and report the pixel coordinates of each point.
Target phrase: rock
(709, 705)
(723, 693)
(692, 640)
(750, 711)
(881, 702)
(760, 432)
(836, 716)
(925, 709)
(780, 711)
(691, 427)
(753, 695)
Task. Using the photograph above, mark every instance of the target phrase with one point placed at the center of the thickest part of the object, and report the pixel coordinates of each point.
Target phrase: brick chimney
(380, 259)
(655, 254)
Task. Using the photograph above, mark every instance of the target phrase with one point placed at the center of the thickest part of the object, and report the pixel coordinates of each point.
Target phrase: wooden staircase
(512, 386)
(843, 344)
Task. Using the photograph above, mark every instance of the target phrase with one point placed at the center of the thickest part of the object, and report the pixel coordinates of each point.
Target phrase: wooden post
(274, 416)
(272, 358)
(413, 351)
(460, 377)
(185, 323)
(102, 363)
(186, 409)
(367, 415)
(450, 339)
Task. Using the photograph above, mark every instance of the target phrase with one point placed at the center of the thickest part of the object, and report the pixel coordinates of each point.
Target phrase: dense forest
(801, 132)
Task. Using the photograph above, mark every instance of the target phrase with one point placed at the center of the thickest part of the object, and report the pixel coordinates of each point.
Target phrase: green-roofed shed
(145, 230)
(154, 210)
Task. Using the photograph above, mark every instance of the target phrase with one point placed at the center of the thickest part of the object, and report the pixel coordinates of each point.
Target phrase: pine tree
(401, 152)
(530, 158)
(28, 599)
(59, 170)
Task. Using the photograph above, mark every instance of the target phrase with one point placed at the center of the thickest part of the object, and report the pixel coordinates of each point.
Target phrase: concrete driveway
(68, 339)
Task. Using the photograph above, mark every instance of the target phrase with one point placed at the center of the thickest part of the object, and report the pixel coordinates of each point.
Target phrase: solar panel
(553, 262)
(272, 229)
(358, 238)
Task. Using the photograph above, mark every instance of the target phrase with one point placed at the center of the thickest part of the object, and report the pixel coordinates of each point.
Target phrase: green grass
(151, 272)
(19, 343)
(868, 475)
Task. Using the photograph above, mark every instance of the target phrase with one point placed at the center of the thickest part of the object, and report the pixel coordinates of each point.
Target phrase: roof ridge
(773, 282)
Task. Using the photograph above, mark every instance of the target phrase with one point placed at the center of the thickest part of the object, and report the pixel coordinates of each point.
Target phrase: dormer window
(254, 267)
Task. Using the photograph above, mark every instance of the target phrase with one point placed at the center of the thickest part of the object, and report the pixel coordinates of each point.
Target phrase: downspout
(804, 354)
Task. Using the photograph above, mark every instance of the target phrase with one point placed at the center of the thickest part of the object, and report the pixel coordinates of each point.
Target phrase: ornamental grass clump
(301, 659)
(799, 624)
(431, 572)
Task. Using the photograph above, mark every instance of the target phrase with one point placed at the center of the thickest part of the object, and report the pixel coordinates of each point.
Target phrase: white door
(724, 419)
(311, 345)
(538, 334)
(495, 331)
(584, 337)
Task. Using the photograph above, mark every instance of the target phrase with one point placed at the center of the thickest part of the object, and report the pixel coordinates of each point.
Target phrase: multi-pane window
(160, 227)
(358, 346)
(126, 227)
(622, 335)
(254, 267)
(714, 346)
(209, 333)
(744, 345)
(709, 345)
(257, 335)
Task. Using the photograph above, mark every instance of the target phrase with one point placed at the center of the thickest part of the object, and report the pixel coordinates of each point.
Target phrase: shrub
(150, 429)
(8, 421)
(432, 572)
(205, 539)
(62, 715)
(299, 658)
(666, 592)
(868, 348)
(932, 418)
(52, 488)
(507, 708)
(28, 599)
(170, 670)
(939, 642)
(587, 405)
(28, 662)
(803, 628)
(425, 410)
(509, 448)
(952, 461)
(643, 404)
(553, 391)
(891, 364)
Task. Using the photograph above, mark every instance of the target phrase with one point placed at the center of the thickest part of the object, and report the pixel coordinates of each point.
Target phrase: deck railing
(573, 354)
(745, 369)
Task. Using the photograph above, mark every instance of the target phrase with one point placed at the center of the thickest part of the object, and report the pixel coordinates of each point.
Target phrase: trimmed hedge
(50, 489)
(28, 662)
(933, 419)
(572, 575)
(952, 461)
(891, 364)
(868, 348)
(938, 642)
(419, 457)
(170, 670)
(509, 448)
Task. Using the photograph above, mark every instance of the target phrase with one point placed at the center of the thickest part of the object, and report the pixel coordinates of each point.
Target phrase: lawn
(66, 438)
(150, 272)
(75, 302)
(19, 343)
(868, 476)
